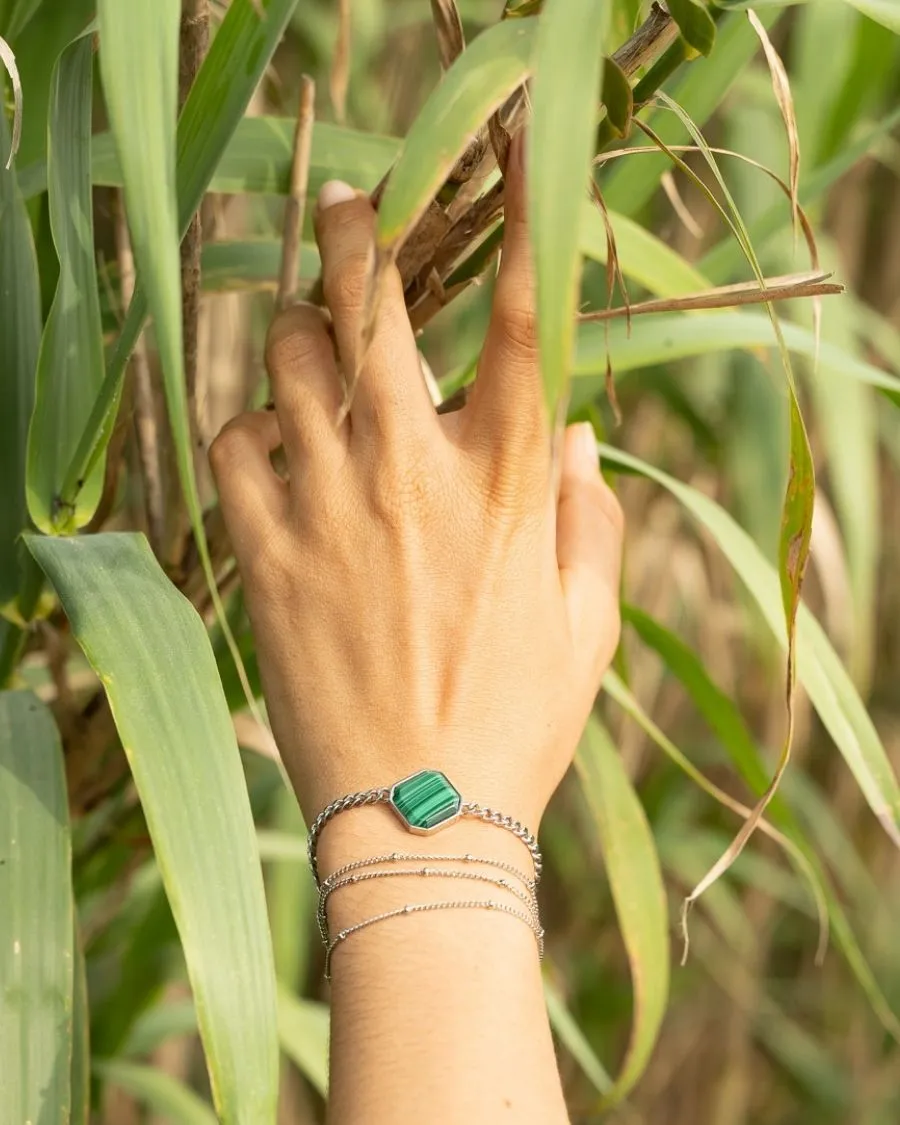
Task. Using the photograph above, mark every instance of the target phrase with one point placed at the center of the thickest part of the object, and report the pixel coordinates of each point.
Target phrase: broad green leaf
(819, 669)
(635, 881)
(81, 1039)
(156, 1025)
(152, 654)
(292, 898)
(303, 1030)
(14, 16)
(666, 338)
(257, 159)
(885, 12)
(160, 1092)
(617, 97)
(478, 83)
(36, 919)
(70, 363)
(644, 258)
(700, 90)
(20, 336)
(231, 71)
(574, 1040)
(568, 70)
(695, 24)
(254, 264)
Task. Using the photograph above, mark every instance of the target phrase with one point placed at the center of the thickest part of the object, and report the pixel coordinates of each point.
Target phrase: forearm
(436, 1016)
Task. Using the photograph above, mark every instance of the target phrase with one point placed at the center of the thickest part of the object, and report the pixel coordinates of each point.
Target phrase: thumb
(589, 533)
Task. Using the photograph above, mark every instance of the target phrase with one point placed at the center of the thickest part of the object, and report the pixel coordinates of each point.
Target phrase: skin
(424, 593)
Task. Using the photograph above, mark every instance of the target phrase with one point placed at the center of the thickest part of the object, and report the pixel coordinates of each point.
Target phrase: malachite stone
(426, 800)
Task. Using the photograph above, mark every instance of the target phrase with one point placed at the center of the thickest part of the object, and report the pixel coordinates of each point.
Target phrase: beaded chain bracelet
(426, 802)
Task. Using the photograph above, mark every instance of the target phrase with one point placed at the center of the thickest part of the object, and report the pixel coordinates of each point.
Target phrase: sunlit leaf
(568, 66)
(20, 335)
(303, 1030)
(243, 46)
(635, 881)
(153, 656)
(160, 1092)
(695, 24)
(36, 919)
(70, 363)
(477, 84)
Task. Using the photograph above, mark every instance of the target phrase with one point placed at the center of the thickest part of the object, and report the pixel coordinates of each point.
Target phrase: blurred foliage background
(756, 1028)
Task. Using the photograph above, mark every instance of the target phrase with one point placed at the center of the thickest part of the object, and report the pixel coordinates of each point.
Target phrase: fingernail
(586, 448)
(335, 191)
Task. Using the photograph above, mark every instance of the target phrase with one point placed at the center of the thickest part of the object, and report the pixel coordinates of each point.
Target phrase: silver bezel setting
(437, 827)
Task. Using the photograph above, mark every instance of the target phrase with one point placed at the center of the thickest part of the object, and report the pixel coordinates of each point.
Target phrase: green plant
(131, 824)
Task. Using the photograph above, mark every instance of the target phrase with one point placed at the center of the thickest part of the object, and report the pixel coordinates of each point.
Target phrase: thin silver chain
(382, 796)
(329, 887)
(413, 857)
(426, 907)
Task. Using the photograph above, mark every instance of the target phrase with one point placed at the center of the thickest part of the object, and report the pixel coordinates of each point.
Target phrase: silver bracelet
(331, 885)
(425, 802)
(422, 908)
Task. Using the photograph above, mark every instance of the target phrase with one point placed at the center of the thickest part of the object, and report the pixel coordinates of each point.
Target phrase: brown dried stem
(145, 417)
(295, 207)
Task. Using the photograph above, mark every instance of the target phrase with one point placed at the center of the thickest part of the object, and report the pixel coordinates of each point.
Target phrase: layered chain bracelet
(426, 802)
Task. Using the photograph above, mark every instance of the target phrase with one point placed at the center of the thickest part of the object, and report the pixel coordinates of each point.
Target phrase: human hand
(420, 595)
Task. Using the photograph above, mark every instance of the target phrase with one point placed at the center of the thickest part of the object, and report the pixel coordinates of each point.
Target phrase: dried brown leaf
(9, 62)
(670, 187)
(449, 29)
(782, 87)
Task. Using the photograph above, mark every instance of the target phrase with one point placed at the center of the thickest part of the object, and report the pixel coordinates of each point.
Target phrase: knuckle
(227, 444)
(293, 341)
(605, 507)
(345, 283)
(518, 322)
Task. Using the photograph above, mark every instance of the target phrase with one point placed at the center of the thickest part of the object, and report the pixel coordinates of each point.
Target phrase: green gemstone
(425, 800)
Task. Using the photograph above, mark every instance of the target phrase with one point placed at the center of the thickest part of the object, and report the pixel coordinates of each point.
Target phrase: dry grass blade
(339, 79)
(295, 205)
(9, 61)
(790, 287)
(613, 275)
(449, 29)
(782, 87)
(670, 187)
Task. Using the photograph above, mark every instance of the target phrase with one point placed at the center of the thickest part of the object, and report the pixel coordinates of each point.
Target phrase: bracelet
(424, 802)
(331, 885)
(421, 908)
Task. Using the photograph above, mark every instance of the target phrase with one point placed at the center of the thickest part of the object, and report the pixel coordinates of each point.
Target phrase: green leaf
(20, 337)
(303, 1027)
(292, 895)
(156, 1025)
(575, 1041)
(666, 338)
(695, 24)
(644, 258)
(632, 867)
(70, 363)
(237, 59)
(478, 83)
(159, 1091)
(819, 669)
(700, 90)
(885, 12)
(152, 654)
(36, 920)
(14, 16)
(81, 1039)
(568, 69)
(618, 97)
